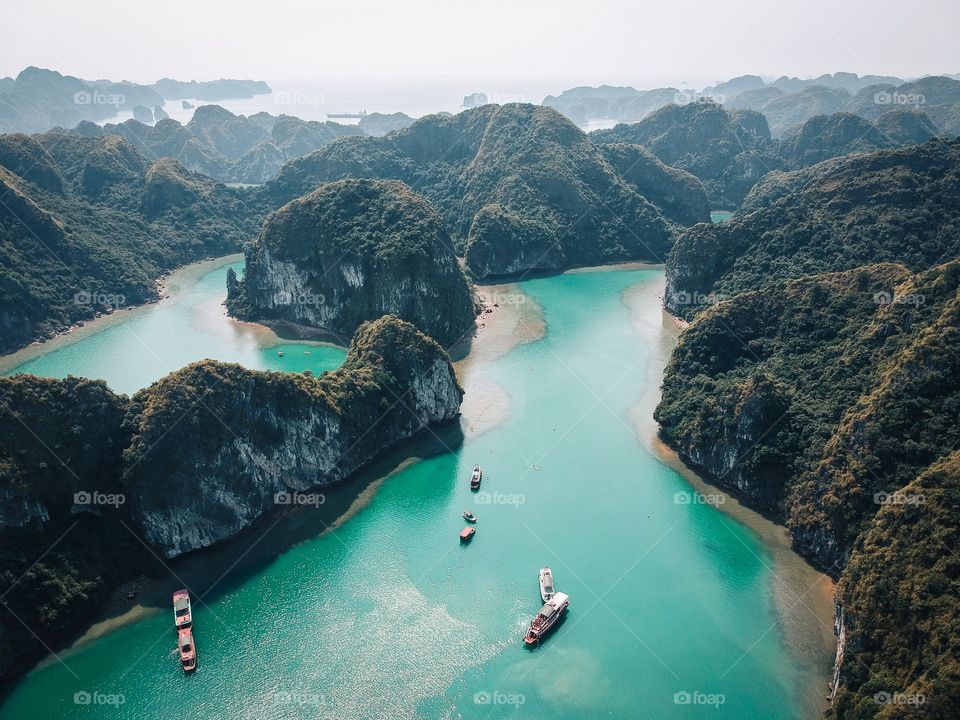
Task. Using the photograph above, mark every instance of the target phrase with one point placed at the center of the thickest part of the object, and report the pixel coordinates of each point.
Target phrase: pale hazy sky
(618, 41)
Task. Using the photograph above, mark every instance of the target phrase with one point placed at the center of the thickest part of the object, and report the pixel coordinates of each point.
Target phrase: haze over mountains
(786, 102)
(38, 99)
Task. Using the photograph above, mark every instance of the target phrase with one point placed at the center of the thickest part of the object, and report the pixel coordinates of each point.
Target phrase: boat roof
(467, 532)
(554, 604)
(181, 602)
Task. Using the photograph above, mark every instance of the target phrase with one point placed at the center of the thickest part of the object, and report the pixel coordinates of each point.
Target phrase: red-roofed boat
(188, 650)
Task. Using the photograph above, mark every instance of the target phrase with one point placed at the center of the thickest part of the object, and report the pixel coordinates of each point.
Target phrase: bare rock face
(249, 438)
(351, 251)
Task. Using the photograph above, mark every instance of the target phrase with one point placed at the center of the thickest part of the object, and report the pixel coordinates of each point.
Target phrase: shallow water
(130, 353)
(387, 616)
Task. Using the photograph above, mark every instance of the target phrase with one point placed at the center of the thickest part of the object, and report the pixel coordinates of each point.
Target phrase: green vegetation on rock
(895, 206)
(229, 147)
(730, 150)
(900, 596)
(520, 188)
(93, 223)
(351, 251)
(833, 398)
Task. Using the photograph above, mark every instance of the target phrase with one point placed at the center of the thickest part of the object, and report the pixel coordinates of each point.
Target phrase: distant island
(232, 148)
(38, 100)
(210, 90)
(786, 102)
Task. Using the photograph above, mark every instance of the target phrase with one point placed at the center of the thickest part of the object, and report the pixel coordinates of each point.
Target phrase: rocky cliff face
(352, 251)
(266, 434)
(741, 452)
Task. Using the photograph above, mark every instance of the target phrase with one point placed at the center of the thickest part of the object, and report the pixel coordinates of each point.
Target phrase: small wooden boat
(548, 616)
(188, 650)
(469, 516)
(467, 534)
(182, 613)
(279, 353)
(547, 590)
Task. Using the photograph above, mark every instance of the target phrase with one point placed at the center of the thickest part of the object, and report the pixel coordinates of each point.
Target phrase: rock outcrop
(379, 124)
(706, 140)
(142, 114)
(229, 147)
(897, 633)
(837, 215)
(276, 433)
(351, 251)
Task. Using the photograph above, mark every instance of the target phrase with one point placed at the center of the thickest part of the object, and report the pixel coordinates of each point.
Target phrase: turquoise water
(388, 616)
(719, 216)
(161, 338)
